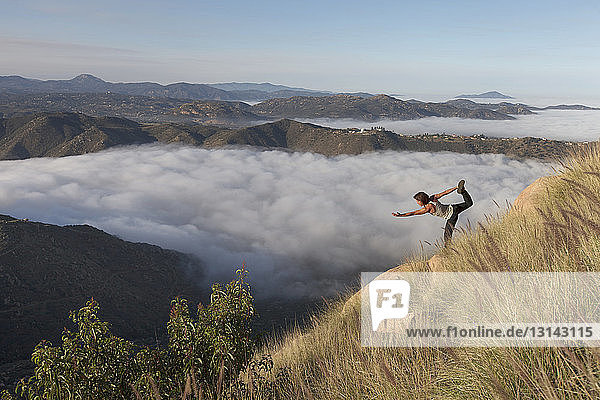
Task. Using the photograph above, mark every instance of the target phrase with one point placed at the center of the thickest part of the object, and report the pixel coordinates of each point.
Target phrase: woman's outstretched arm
(422, 211)
(445, 192)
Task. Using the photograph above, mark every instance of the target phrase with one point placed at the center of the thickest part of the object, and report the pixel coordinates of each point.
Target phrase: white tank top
(442, 210)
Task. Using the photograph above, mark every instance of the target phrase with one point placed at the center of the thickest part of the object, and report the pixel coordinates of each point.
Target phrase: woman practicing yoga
(449, 212)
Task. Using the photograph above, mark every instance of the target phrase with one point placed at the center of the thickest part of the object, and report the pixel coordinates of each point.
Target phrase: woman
(449, 212)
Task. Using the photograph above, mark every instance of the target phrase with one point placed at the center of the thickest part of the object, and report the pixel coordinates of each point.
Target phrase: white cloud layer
(551, 124)
(305, 224)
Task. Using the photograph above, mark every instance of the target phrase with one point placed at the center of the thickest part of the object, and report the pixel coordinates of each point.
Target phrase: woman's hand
(397, 214)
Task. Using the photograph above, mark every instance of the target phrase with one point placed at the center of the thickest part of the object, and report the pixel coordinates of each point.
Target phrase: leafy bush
(217, 345)
(206, 356)
(91, 363)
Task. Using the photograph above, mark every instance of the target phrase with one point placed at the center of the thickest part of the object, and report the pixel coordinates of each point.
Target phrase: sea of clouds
(305, 224)
(572, 125)
(523, 98)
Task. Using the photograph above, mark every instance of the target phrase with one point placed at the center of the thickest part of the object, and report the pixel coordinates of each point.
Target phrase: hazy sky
(545, 48)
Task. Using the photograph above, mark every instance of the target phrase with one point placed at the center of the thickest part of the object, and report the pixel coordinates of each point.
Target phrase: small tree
(219, 344)
(91, 363)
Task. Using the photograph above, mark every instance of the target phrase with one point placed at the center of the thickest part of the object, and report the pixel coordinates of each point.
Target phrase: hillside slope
(305, 137)
(64, 134)
(554, 225)
(366, 109)
(48, 270)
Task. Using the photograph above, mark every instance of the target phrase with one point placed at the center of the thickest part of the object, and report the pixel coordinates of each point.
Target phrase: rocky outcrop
(526, 200)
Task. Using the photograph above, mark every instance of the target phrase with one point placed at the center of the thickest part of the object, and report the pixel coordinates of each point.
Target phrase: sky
(523, 48)
(305, 224)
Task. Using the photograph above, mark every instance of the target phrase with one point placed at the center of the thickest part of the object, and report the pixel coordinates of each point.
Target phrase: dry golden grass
(561, 232)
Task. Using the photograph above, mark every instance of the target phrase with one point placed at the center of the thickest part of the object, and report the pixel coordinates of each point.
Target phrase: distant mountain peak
(87, 78)
(487, 95)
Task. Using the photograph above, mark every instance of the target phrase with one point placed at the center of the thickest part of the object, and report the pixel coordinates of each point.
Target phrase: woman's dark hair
(422, 197)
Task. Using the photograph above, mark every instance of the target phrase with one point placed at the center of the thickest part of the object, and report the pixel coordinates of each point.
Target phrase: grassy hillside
(553, 226)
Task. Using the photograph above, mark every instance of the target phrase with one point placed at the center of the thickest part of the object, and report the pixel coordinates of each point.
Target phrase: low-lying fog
(535, 101)
(552, 124)
(306, 225)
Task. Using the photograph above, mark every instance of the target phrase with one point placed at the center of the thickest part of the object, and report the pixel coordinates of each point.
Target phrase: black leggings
(456, 209)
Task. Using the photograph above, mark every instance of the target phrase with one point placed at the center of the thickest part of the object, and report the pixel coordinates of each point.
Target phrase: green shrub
(206, 356)
(90, 363)
(5, 395)
(218, 344)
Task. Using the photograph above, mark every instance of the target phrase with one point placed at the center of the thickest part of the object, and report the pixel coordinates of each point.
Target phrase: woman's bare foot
(461, 186)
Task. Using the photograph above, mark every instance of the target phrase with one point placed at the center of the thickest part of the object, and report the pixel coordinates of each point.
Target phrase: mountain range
(210, 104)
(236, 113)
(366, 109)
(86, 83)
(66, 134)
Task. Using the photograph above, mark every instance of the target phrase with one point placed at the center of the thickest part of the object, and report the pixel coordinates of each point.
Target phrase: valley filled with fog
(570, 125)
(306, 225)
